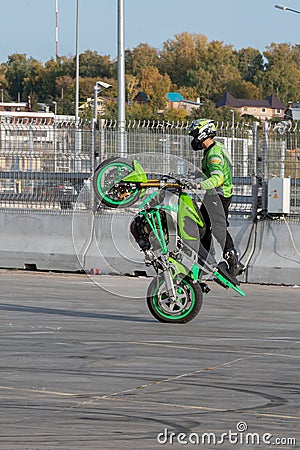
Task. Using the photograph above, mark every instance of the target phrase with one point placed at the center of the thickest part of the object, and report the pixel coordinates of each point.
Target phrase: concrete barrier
(102, 244)
(276, 259)
(37, 238)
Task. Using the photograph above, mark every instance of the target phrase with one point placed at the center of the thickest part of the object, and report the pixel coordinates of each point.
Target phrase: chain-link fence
(47, 166)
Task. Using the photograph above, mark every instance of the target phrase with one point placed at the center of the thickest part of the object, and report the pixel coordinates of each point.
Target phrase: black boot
(235, 266)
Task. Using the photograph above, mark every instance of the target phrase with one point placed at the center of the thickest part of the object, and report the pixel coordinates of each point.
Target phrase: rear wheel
(108, 186)
(183, 309)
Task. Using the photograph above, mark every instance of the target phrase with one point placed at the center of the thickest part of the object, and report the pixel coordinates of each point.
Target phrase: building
(101, 105)
(32, 141)
(293, 111)
(141, 98)
(19, 113)
(13, 106)
(263, 110)
(176, 101)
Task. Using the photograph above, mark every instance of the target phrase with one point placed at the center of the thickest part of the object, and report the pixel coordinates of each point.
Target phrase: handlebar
(162, 183)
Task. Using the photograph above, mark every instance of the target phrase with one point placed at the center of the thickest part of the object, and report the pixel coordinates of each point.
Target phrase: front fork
(169, 280)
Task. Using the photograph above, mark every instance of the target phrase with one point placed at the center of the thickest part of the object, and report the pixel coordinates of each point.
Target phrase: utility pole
(122, 150)
(77, 64)
(56, 28)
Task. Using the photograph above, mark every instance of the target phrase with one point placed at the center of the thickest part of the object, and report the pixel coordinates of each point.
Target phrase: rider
(216, 166)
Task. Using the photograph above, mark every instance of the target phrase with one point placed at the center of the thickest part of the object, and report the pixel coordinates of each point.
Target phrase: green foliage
(281, 76)
(250, 63)
(140, 57)
(17, 69)
(93, 65)
(156, 86)
(240, 88)
(111, 110)
(137, 111)
(181, 55)
(175, 115)
(208, 110)
(187, 63)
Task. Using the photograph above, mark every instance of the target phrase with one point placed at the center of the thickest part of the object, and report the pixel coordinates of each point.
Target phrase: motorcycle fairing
(138, 174)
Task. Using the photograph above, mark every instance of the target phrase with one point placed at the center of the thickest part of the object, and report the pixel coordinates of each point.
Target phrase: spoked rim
(107, 183)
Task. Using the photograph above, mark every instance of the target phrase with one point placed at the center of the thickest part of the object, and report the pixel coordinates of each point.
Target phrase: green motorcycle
(168, 229)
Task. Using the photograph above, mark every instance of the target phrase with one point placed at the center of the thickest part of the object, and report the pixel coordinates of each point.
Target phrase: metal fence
(46, 166)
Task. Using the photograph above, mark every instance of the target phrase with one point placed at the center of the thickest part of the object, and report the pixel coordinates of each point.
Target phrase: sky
(28, 26)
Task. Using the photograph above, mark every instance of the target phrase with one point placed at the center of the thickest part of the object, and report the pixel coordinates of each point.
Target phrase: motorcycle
(168, 229)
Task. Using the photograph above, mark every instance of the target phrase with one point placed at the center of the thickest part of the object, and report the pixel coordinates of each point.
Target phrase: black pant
(214, 210)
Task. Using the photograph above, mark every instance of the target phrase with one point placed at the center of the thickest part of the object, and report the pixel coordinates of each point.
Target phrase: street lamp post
(98, 88)
(121, 81)
(54, 136)
(286, 8)
(55, 109)
(77, 161)
(233, 134)
(77, 65)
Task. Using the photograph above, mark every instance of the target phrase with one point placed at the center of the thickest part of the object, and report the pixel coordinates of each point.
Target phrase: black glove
(188, 184)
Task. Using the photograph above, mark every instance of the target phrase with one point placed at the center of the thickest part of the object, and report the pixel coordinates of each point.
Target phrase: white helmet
(201, 129)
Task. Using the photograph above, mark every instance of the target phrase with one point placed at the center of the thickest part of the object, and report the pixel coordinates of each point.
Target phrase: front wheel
(183, 309)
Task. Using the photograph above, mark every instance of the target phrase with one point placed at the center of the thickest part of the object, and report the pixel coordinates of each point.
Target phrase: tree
(4, 83)
(17, 68)
(188, 92)
(33, 83)
(66, 86)
(156, 87)
(179, 56)
(92, 65)
(202, 81)
(240, 88)
(220, 62)
(137, 111)
(111, 110)
(192, 61)
(175, 115)
(54, 69)
(208, 109)
(187, 63)
(140, 57)
(132, 84)
(250, 63)
(281, 76)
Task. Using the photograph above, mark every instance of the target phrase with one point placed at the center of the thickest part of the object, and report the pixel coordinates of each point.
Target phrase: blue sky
(28, 26)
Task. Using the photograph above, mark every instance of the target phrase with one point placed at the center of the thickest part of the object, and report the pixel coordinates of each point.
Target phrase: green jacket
(216, 166)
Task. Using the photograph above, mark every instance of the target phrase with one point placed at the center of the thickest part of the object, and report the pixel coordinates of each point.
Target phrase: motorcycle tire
(188, 302)
(105, 183)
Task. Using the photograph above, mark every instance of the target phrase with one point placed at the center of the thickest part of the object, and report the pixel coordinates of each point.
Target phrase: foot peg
(223, 270)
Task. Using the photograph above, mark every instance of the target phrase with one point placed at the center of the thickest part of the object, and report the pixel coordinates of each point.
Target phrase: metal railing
(46, 166)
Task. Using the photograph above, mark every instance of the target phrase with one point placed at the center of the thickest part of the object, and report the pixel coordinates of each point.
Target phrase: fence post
(78, 147)
(101, 153)
(254, 170)
(265, 172)
(122, 141)
(93, 163)
(31, 148)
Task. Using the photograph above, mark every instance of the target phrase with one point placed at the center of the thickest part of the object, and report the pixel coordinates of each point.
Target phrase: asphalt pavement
(85, 366)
